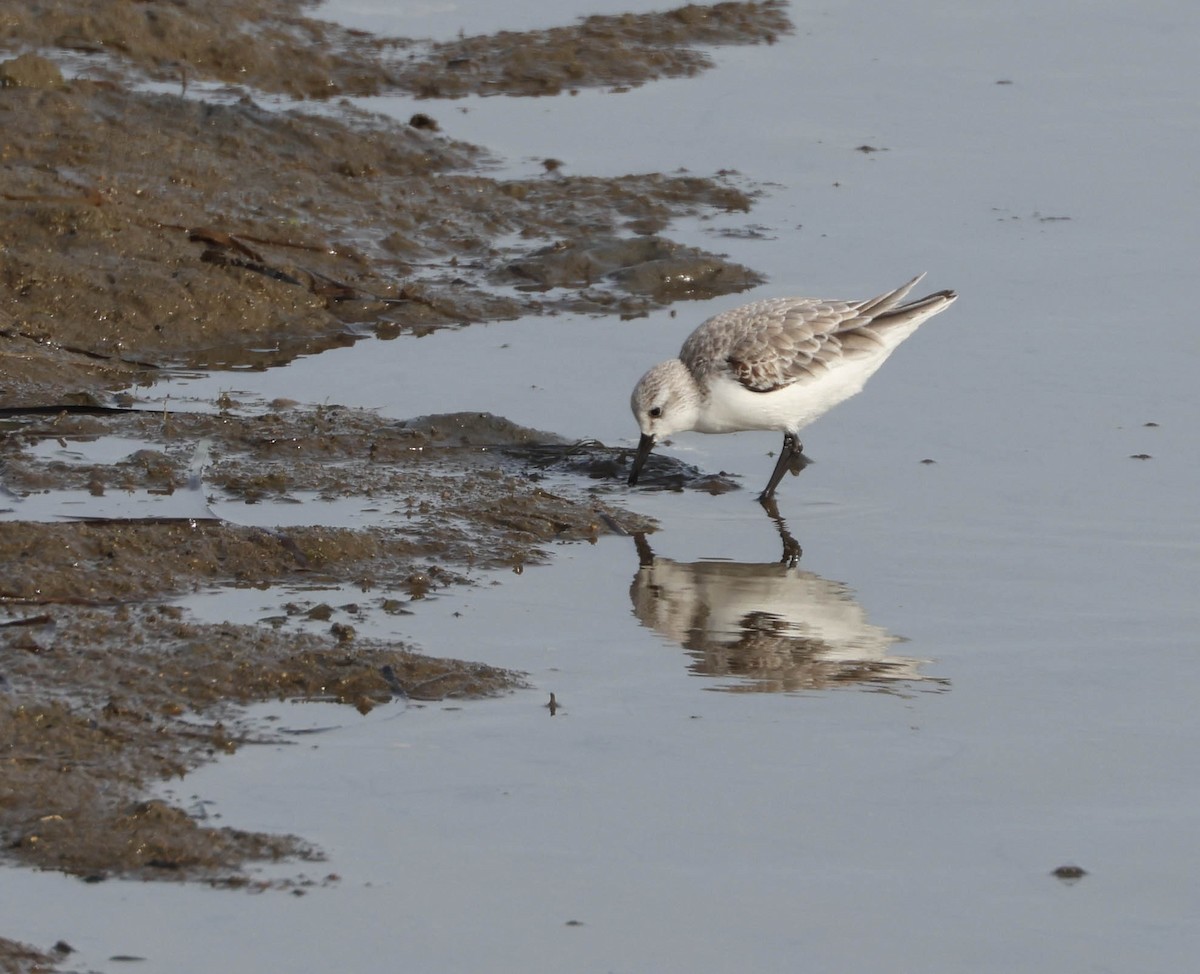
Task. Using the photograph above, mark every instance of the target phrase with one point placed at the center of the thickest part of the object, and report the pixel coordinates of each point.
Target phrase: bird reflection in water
(768, 627)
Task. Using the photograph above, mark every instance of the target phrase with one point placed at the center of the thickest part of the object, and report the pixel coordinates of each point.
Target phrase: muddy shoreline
(154, 229)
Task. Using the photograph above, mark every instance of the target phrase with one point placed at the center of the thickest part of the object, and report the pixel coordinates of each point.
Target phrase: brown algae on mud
(151, 230)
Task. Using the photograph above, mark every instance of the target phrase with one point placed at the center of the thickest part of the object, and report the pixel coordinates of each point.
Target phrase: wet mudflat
(148, 231)
(959, 719)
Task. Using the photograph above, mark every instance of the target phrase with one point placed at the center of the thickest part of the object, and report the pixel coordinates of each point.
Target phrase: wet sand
(161, 229)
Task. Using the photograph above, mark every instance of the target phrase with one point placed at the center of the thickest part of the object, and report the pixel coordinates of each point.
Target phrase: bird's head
(665, 401)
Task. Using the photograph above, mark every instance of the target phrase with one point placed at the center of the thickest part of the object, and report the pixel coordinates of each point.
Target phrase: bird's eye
(656, 412)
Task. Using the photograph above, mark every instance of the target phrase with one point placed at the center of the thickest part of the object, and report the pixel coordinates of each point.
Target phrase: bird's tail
(887, 306)
(885, 321)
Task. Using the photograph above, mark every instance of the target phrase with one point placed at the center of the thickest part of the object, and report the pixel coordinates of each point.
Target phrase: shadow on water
(768, 627)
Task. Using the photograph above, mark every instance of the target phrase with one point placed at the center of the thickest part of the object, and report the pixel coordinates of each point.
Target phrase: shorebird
(776, 364)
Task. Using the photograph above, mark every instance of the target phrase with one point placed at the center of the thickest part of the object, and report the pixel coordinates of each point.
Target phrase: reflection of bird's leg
(645, 555)
(791, 547)
(791, 457)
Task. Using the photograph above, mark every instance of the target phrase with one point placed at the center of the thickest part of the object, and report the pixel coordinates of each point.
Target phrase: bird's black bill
(645, 445)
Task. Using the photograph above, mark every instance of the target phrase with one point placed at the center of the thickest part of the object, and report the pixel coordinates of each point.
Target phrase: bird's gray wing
(793, 342)
(771, 344)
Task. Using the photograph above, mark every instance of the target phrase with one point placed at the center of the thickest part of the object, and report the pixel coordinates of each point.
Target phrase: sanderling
(774, 365)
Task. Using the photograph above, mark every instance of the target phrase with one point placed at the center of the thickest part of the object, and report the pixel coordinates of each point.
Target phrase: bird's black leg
(791, 457)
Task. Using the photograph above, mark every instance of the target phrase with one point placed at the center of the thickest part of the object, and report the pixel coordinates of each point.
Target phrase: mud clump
(265, 43)
(158, 228)
(622, 50)
(18, 958)
(141, 252)
(30, 71)
(435, 483)
(662, 270)
(109, 687)
(270, 45)
(284, 231)
(150, 699)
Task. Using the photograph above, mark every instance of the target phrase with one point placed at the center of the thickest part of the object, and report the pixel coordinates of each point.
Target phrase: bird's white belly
(731, 407)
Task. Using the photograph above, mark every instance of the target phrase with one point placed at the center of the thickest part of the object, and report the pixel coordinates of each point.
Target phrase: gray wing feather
(771, 344)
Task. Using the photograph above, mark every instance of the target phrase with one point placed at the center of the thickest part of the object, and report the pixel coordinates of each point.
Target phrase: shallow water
(1043, 580)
